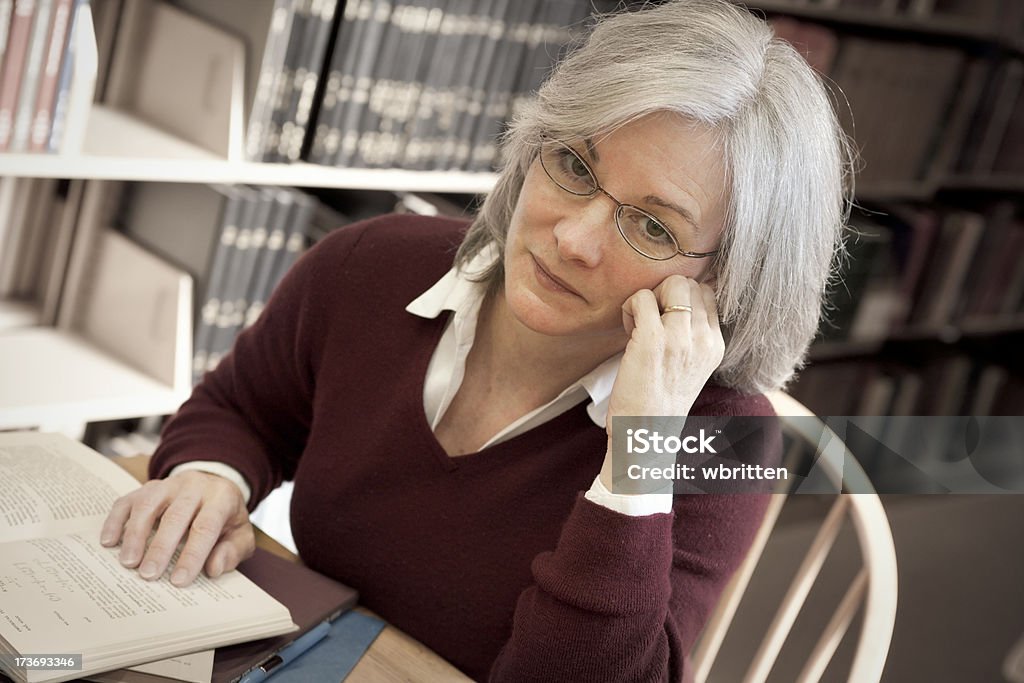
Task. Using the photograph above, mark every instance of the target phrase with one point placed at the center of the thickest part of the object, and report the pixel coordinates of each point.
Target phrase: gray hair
(789, 164)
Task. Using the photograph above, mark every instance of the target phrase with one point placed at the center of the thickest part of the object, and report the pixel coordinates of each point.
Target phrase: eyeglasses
(645, 233)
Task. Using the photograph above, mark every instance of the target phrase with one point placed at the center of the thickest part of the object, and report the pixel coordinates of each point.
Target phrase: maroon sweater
(494, 560)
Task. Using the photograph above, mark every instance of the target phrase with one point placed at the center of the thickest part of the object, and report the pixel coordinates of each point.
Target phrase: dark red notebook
(309, 596)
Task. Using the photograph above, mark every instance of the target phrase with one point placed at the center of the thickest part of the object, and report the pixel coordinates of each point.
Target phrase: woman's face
(568, 270)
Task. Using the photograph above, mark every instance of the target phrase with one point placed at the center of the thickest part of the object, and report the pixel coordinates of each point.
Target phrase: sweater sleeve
(253, 412)
(623, 597)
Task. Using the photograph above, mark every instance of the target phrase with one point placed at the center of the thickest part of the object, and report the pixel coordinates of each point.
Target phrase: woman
(677, 182)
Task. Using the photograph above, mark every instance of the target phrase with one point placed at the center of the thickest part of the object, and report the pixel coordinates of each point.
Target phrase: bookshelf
(191, 131)
(929, 298)
(57, 381)
(120, 146)
(64, 374)
(904, 21)
(128, 356)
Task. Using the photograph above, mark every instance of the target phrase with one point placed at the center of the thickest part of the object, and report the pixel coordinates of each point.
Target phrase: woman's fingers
(710, 304)
(236, 545)
(147, 504)
(203, 534)
(174, 524)
(677, 290)
(673, 291)
(641, 311)
(113, 525)
(206, 511)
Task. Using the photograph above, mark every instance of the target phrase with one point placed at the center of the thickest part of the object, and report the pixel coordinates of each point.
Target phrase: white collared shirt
(457, 293)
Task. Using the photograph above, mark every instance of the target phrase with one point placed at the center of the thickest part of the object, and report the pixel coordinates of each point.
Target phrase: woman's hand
(669, 356)
(209, 509)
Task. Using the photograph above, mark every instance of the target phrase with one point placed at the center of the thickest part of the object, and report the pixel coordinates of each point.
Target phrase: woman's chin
(556, 318)
(541, 317)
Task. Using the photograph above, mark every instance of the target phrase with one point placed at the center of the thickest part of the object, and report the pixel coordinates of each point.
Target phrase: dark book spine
(269, 248)
(274, 52)
(454, 93)
(400, 118)
(497, 105)
(338, 87)
(393, 45)
(350, 115)
(419, 147)
(418, 40)
(309, 82)
(222, 335)
(215, 291)
(284, 82)
(272, 202)
(544, 42)
(472, 109)
(297, 240)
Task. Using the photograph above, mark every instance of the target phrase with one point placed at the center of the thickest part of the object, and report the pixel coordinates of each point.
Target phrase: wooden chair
(874, 586)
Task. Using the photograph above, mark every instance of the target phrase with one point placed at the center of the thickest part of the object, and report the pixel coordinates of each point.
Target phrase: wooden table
(392, 657)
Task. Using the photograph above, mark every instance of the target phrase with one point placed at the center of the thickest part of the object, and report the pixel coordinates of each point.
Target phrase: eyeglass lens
(642, 231)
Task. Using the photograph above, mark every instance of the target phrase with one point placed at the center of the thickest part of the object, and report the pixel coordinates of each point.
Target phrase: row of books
(995, 144)
(948, 384)
(36, 67)
(237, 242)
(36, 230)
(297, 44)
(893, 97)
(925, 269)
(979, 13)
(429, 84)
(468, 74)
(422, 84)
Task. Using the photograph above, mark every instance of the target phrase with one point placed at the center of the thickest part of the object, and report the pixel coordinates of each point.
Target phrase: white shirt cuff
(221, 470)
(633, 505)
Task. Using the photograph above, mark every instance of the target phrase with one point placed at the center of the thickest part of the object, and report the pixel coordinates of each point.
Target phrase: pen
(287, 654)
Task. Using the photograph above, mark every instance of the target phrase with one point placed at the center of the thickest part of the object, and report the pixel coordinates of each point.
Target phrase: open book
(63, 594)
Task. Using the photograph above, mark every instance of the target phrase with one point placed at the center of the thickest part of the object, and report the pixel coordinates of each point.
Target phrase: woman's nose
(582, 235)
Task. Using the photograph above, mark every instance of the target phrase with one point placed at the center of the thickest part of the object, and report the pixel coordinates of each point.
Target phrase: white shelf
(128, 356)
(121, 147)
(52, 379)
(15, 314)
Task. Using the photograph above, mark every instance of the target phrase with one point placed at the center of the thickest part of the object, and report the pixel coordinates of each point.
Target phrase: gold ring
(682, 308)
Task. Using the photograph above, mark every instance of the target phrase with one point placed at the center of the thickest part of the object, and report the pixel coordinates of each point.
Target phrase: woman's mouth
(550, 282)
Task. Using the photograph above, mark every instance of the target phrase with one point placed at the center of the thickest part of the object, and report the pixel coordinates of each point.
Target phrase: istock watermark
(692, 455)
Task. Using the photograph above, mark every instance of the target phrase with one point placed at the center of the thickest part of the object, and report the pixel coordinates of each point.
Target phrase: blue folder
(334, 657)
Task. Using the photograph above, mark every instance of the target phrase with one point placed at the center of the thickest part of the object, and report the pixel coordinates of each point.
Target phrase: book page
(53, 485)
(70, 594)
(193, 668)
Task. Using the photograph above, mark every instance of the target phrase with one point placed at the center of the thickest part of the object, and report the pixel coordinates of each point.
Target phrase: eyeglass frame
(619, 206)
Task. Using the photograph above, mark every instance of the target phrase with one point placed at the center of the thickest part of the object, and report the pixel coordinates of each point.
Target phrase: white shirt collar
(456, 292)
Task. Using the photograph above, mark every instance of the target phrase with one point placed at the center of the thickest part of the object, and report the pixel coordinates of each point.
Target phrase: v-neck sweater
(494, 560)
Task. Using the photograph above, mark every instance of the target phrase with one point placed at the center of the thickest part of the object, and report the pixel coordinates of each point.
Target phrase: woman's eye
(653, 229)
(573, 165)
(577, 167)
